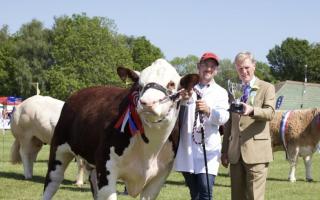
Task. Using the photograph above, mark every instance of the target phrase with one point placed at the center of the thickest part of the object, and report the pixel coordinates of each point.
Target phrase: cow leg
(308, 165)
(93, 183)
(108, 183)
(60, 157)
(29, 149)
(153, 188)
(108, 192)
(81, 171)
(293, 152)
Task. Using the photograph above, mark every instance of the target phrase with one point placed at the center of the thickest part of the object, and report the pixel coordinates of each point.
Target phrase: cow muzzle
(155, 103)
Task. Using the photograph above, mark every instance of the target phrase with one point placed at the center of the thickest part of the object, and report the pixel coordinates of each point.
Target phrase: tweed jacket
(249, 136)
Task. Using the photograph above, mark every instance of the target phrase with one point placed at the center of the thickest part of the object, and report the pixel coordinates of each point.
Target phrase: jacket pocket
(261, 136)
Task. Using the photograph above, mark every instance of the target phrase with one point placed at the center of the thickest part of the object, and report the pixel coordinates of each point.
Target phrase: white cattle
(297, 131)
(32, 124)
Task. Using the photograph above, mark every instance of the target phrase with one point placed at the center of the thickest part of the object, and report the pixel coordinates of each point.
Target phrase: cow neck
(158, 136)
(163, 118)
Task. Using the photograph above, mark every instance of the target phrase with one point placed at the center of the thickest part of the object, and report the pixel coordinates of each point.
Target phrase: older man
(246, 142)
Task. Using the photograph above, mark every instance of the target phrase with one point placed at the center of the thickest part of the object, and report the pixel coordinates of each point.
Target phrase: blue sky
(186, 27)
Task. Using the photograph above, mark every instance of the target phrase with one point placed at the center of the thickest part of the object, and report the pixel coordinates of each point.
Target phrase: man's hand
(203, 107)
(186, 94)
(247, 109)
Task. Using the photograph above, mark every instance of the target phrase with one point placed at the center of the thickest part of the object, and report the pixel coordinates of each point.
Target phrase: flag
(279, 102)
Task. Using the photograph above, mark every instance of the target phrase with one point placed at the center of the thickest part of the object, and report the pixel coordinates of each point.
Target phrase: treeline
(77, 52)
(292, 60)
(81, 51)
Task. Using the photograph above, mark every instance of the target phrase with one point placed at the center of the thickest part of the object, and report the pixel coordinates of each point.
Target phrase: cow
(32, 125)
(122, 133)
(297, 132)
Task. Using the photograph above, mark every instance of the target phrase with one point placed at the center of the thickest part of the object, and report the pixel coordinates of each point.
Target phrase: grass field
(13, 186)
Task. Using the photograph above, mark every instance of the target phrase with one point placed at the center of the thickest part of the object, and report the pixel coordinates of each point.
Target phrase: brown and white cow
(94, 125)
(32, 125)
(301, 133)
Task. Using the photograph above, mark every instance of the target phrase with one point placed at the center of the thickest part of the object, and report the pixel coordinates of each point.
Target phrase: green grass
(13, 185)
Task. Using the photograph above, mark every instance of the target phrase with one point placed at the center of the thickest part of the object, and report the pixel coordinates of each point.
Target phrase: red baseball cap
(209, 55)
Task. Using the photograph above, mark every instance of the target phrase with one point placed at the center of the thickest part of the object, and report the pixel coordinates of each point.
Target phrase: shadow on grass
(223, 174)
(271, 178)
(46, 161)
(41, 161)
(35, 179)
(286, 180)
(277, 179)
(75, 189)
(182, 183)
(12, 175)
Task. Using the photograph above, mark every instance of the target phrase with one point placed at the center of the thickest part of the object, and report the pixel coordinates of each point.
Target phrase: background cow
(32, 125)
(301, 133)
(122, 133)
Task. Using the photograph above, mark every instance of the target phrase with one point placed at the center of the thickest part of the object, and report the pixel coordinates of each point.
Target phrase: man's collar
(253, 80)
(201, 85)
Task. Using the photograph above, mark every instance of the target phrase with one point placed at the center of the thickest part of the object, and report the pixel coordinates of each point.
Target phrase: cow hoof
(292, 180)
(28, 177)
(78, 184)
(309, 180)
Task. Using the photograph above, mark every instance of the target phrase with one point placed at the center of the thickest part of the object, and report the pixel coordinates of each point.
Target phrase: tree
(86, 52)
(288, 60)
(5, 58)
(263, 72)
(185, 65)
(4, 34)
(313, 64)
(26, 55)
(143, 53)
(226, 71)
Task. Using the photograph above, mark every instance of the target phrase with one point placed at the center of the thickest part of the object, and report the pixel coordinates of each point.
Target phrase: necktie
(246, 91)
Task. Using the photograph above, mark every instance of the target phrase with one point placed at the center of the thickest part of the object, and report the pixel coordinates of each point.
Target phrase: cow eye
(171, 85)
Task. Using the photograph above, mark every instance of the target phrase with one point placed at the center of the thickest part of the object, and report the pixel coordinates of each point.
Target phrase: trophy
(236, 90)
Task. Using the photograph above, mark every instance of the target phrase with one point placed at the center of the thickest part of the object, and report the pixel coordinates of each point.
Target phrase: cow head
(159, 86)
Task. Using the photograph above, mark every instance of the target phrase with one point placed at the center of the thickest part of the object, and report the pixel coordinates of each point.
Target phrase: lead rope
(200, 114)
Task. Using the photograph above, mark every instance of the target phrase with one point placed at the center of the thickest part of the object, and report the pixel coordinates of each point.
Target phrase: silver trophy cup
(236, 90)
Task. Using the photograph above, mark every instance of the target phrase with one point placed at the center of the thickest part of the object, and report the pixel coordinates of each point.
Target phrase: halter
(169, 96)
(154, 86)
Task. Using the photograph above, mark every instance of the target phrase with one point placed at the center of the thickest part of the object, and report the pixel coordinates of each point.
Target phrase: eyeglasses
(212, 64)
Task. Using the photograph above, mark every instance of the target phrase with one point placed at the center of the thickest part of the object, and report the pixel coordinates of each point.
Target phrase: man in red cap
(205, 106)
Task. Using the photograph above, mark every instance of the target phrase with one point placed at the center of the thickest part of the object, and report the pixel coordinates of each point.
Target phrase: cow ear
(125, 73)
(189, 81)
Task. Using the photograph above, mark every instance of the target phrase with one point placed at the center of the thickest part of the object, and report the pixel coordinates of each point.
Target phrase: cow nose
(144, 102)
(150, 106)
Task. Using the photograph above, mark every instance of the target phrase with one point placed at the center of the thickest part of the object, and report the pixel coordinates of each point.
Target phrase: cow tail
(15, 155)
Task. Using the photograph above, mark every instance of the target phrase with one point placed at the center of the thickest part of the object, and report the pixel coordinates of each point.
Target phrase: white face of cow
(157, 82)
